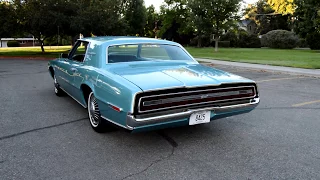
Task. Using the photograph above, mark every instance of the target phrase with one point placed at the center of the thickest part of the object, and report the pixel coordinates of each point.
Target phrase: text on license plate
(199, 117)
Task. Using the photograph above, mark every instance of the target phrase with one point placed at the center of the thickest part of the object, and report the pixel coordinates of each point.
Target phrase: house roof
(246, 22)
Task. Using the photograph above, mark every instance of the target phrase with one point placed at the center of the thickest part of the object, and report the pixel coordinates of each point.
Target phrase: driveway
(43, 136)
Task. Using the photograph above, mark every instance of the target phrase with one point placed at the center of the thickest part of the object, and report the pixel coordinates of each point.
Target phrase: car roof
(110, 40)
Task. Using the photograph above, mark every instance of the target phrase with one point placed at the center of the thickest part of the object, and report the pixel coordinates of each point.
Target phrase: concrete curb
(300, 71)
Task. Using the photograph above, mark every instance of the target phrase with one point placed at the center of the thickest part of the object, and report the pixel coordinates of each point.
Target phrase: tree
(283, 7)
(8, 20)
(307, 17)
(266, 18)
(217, 13)
(135, 16)
(175, 15)
(152, 19)
(41, 18)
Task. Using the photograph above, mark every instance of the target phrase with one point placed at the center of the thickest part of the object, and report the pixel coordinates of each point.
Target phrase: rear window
(145, 52)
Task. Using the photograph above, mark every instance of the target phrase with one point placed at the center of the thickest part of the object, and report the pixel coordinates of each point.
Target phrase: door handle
(74, 70)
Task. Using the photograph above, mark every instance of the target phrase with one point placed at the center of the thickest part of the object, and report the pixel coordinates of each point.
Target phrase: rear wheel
(57, 90)
(97, 123)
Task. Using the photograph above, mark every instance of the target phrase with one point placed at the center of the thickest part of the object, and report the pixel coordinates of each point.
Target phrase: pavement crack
(38, 129)
(173, 144)
(171, 141)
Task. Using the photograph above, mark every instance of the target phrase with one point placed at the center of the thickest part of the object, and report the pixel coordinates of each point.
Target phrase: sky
(157, 3)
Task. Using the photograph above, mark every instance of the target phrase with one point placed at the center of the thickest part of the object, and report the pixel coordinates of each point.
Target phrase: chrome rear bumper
(133, 122)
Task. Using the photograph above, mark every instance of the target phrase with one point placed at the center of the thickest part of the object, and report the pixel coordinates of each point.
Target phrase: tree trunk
(216, 44)
(199, 41)
(42, 48)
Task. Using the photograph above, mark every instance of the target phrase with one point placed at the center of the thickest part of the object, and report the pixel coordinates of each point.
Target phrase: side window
(79, 50)
(154, 52)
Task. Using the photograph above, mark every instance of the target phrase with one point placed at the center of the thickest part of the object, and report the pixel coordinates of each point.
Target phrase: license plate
(199, 118)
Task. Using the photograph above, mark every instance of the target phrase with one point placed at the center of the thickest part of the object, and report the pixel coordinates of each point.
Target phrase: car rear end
(190, 106)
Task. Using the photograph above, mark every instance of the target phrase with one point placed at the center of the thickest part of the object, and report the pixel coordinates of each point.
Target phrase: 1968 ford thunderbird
(145, 84)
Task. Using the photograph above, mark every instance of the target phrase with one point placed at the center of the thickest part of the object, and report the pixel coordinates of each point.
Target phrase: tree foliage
(150, 29)
(8, 20)
(175, 16)
(307, 17)
(266, 17)
(213, 16)
(135, 16)
(282, 6)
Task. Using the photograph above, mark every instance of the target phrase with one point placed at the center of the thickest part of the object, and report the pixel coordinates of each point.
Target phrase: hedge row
(279, 39)
(13, 44)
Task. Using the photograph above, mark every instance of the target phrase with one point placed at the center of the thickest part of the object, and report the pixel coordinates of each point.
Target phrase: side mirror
(64, 55)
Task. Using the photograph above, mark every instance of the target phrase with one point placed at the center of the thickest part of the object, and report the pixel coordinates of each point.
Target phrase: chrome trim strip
(212, 85)
(190, 111)
(126, 127)
(195, 97)
(200, 86)
(198, 91)
(255, 94)
(84, 106)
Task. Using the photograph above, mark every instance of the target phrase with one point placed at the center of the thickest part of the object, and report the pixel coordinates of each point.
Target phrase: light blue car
(146, 84)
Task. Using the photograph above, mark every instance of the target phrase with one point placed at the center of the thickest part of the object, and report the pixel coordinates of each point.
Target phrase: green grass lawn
(50, 51)
(291, 58)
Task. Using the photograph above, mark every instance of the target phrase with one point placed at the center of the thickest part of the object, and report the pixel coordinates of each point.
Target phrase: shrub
(264, 41)
(303, 43)
(13, 44)
(280, 39)
(313, 40)
(205, 41)
(232, 37)
(249, 40)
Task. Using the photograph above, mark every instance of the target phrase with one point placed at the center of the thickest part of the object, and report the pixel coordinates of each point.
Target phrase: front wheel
(97, 123)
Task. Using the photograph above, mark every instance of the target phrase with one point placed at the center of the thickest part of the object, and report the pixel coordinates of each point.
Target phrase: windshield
(145, 52)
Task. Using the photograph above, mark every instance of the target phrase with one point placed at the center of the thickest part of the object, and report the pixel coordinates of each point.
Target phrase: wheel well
(86, 90)
(51, 71)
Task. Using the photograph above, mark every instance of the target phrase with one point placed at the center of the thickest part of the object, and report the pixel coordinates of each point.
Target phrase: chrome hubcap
(93, 109)
(55, 84)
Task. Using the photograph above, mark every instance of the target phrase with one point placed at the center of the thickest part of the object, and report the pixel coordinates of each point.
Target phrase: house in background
(24, 42)
(248, 25)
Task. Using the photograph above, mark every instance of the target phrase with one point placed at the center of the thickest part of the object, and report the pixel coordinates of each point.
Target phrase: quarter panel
(113, 90)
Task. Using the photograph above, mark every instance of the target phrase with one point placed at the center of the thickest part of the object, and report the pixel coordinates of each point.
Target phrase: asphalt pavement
(43, 136)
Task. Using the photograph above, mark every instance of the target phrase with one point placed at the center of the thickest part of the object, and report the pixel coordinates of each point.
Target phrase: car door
(75, 77)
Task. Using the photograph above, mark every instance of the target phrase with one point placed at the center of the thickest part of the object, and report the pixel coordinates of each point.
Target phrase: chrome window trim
(86, 53)
(255, 94)
(157, 43)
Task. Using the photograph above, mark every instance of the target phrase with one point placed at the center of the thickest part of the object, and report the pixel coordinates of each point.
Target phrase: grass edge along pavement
(278, 57)
(297, 58)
